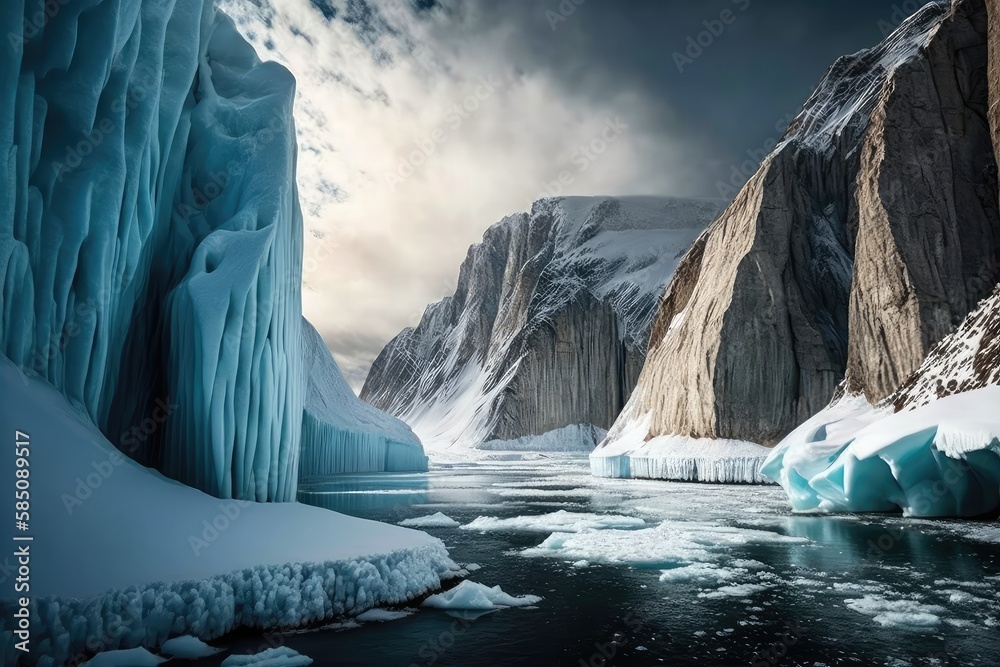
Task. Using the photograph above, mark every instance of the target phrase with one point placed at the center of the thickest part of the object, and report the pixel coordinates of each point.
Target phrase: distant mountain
(548, 326)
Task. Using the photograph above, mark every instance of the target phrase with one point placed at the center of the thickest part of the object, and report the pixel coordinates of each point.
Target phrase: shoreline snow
(153, 559)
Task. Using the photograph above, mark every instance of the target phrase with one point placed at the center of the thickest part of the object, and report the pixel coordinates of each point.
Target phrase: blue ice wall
(341, 433)
(150, 235)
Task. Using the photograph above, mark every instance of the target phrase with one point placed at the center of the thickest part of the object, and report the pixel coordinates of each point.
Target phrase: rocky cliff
(548, 326)
(865, 238)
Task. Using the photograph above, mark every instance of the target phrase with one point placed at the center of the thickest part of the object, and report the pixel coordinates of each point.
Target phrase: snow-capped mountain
(548, 326)
(863, 239)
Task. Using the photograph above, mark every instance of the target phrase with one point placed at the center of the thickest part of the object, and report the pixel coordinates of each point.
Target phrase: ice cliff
(151, 240)
(862, 240)
(548, 325)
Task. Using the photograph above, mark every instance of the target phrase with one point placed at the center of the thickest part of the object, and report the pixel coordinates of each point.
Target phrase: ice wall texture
(150, 234)
(548, 325)
(340, 433)
(862, 240)
(932, 448)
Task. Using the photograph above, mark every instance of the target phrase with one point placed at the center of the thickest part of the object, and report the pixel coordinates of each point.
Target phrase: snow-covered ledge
(627, 453)
(123, 556)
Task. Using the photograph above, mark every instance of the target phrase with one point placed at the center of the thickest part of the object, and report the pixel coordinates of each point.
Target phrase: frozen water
(556, 522)
(938, 459)
(472, 596)
(187, 648)
(133, 657)
(630, 454)
(437, 520)
(383, 615)
(897, 613)
(281, 656)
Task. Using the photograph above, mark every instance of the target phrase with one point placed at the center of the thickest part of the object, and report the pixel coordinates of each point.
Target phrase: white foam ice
(187, 647)
(897, 613)
(281, 656)
(436, 520)
(555, 522)
(473, 596)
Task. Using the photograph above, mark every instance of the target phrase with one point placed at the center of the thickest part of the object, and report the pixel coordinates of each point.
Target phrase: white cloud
(377, 100)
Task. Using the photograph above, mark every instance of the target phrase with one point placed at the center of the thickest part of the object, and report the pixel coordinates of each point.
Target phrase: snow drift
(124, 557)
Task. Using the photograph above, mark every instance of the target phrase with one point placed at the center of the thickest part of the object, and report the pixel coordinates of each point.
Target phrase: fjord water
(747, 583)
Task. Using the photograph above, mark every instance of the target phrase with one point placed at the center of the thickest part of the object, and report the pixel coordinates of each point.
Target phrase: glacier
(153, 559)
(151, 247)
(150, 237)
(628, 452)
(341, 433)
(939, 459)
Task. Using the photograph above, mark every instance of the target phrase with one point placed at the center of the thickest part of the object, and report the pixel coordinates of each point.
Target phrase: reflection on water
(363, 493)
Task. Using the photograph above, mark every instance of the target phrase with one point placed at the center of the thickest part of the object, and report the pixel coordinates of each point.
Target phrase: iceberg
(472, 596)
(938, 459)
(151, 237)
(340, 432)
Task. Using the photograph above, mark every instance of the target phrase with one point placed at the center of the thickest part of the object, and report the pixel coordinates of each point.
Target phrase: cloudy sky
(422, 122)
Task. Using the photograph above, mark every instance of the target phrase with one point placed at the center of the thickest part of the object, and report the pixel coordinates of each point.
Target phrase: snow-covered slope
(548, 325)
(123, 556)
(831, 263)
(341, 433)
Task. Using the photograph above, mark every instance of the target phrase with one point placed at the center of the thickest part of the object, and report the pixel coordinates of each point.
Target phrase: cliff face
(863, 239)
(548, 325)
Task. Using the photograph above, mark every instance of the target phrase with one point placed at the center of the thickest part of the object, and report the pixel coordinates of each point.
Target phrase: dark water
(857, 590)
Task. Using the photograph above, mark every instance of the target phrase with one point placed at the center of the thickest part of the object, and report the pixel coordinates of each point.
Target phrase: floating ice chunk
(698, 571)
(940, 459)
(281, 656)
(735, 591)
(133, 657)
(672, 543)
(187, 648)
(382, 615)
(897, 613)
(473, 596)
(555, 522)
(437, 520)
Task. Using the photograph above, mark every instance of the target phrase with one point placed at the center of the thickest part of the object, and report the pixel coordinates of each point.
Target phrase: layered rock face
(548, 325)
(151, 237)
(863, 239)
